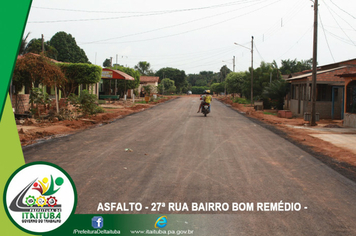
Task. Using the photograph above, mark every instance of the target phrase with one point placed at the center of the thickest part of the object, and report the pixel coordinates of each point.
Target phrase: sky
(196, 35)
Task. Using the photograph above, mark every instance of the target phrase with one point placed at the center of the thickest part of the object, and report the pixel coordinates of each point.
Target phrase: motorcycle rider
(206, 98)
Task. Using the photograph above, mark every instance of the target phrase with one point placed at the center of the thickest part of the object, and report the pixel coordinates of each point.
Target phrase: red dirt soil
(299, 135)
(31, 131)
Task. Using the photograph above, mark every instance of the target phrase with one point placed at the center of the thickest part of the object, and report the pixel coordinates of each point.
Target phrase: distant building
(149, 80)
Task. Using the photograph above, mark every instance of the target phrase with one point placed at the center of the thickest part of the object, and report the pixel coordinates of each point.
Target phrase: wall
(323, 108)
(350, 120)
(21, 103)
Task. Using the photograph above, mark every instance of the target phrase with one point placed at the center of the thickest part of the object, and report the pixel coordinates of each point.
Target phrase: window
(323, 93)
(351, 97)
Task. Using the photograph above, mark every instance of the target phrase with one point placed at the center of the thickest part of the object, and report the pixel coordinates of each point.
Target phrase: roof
(149, 79)
(350, 74)
(115, 74)
(310, 73)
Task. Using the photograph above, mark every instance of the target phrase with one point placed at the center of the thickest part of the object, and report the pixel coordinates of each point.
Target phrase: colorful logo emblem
(39, 197)
(97, 222)
(161, 222)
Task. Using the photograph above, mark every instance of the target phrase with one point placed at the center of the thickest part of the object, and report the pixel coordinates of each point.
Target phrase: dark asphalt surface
(181, 156)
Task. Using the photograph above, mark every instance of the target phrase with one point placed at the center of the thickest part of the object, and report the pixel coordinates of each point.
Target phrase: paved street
(181, 156)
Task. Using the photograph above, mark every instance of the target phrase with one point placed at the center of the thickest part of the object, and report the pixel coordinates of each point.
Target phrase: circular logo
(39, 197)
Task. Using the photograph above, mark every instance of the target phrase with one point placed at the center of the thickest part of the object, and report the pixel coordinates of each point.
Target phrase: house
(20, 95)
(330, 90)
(149, 80)
(350, 98)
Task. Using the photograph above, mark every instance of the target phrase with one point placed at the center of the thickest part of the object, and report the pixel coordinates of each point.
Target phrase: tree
(68, 50)
(178, 76)
(234, 82)
(107, 62)
(78, 73)
(23, 45)
(36, 69)
(218, 87)
(166, 86)
(35, 46)
(144, 68)
(261, 79)
(292, 66)
(276, 92)
(224, 71)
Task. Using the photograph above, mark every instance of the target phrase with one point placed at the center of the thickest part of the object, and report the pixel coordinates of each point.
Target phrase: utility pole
(251, 67)
(233, 64)
(42, 43)
(252, 71)
(315, 54)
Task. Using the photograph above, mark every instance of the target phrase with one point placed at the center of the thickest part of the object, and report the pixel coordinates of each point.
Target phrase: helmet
(207, 91)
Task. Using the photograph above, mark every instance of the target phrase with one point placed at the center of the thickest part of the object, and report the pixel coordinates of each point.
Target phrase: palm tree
(23, 45)
(144, 68)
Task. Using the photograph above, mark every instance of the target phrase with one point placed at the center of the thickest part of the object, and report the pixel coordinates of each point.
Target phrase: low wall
(21, 103)
(350, 120)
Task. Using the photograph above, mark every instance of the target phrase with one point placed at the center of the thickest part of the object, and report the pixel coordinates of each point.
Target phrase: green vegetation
(199, 89)
(39, 97)
(241, 100)
(107, 63)
(178, 76)
(270, 113)
(67, 48)
(33, 70)
(144, 68)
(78, 73)
(166, 86)
(85, 103)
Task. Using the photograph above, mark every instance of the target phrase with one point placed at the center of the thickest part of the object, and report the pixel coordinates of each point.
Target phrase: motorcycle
(205, 109)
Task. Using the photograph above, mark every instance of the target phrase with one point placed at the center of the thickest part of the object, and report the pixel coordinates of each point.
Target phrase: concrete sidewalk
(341, 137)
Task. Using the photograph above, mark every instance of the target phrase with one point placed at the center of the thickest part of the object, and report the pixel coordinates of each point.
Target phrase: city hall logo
(39, 197)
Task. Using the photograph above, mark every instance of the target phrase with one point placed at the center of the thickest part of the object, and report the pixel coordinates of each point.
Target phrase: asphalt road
(181, 156)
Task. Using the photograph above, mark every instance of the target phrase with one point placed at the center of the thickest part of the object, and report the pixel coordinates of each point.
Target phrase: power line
(296, 42)
(171, 26)
(342, 9)
(347, 41)
(291, 13)
(200, 28)
(340, 17)
(339, 25)
(145, 12)
(139, 14)
(326, 39)
(258, 52)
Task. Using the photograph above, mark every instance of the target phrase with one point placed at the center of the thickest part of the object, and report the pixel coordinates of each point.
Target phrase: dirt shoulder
(32, 131)
(297, 131)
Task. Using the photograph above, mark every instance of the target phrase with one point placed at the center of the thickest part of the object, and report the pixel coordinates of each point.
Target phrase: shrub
(199, 89)
(86, 103)
(241, 100)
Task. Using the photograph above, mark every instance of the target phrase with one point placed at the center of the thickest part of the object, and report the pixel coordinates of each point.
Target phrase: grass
(241, 101)
(270, 113)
